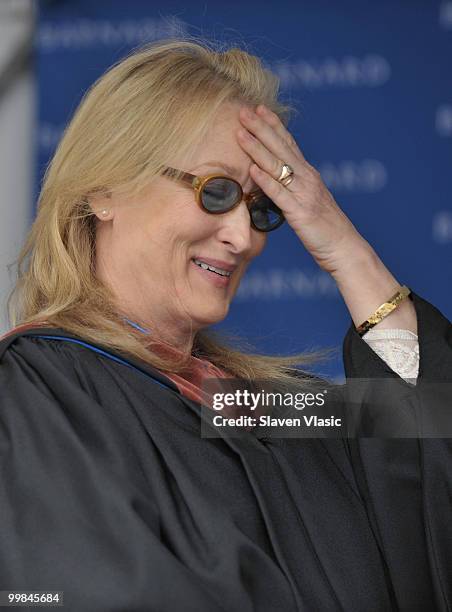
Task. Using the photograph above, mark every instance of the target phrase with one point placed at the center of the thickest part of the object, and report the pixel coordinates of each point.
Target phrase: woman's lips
(217, 263)
(213, 277)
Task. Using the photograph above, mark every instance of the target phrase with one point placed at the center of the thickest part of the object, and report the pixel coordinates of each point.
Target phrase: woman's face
(146, 247)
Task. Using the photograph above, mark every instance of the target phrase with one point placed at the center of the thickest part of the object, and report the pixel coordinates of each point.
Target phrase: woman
(109, 493)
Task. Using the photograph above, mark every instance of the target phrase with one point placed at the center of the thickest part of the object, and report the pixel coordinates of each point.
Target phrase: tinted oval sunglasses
(218, 194)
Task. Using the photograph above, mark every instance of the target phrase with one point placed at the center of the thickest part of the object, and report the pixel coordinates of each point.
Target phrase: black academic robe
(109, 494)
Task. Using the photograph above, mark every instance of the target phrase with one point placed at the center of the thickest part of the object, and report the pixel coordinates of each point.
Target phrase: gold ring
(286, 175)
(286, 181)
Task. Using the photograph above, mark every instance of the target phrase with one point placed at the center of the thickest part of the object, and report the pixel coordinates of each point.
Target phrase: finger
(275, 122)
(279, 194)
(278, 141)
(267, 135)
(259, 153)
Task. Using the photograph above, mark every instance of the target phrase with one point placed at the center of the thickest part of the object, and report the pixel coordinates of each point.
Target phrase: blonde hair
(150, 106)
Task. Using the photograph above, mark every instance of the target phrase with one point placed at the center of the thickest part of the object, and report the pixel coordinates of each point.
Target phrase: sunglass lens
(220, 195)
(266, 215)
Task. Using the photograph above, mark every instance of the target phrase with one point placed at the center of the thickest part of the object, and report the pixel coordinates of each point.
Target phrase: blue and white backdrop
(373, 85)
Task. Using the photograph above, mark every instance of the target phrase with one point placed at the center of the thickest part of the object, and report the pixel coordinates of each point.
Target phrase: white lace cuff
(399, 348)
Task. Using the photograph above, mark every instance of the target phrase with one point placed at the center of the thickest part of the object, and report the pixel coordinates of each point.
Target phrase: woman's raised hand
(308, 206)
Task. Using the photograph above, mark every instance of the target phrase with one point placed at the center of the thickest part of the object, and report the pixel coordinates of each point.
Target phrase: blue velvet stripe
(141, 329)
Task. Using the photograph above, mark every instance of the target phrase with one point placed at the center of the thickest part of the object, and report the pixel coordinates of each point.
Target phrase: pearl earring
(104, 212)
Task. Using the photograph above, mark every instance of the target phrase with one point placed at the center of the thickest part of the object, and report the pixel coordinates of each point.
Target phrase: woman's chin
(208, 314)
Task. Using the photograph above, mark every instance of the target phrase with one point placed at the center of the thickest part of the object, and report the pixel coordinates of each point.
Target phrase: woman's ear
(103, 214)
(102, 206)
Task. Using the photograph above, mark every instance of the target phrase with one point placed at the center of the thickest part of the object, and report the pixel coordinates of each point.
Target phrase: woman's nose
(235, 228)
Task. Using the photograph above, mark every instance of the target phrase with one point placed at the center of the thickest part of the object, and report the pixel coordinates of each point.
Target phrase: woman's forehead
(219, 149)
